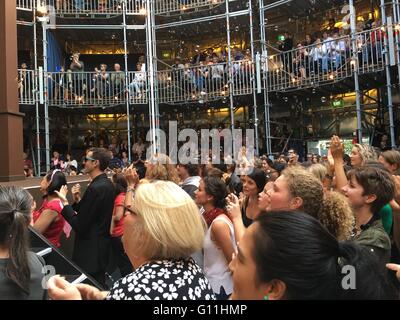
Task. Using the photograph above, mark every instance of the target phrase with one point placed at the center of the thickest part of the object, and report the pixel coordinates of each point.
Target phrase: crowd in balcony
(76, 85)
(206, 73)
(327, 52)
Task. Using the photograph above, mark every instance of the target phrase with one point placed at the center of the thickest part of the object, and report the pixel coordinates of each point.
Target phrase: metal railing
(325, 62)
(26, 86)
(25, 5)
(204, 82)
(94, 7)
(75, 89)
(138, 88)
(170, 6)
(370, 45)
(313, 65)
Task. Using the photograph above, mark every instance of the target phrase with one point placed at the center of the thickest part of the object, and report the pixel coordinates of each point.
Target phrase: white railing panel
(26, 86)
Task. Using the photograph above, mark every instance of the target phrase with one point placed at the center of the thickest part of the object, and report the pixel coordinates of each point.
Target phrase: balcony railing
(25, 5)
(304, 67)
(26, 86)
(204, 82)
(170, 6)
(137, 87)
(326, 62)
(370, 45)
(94, 89)
(94, 7)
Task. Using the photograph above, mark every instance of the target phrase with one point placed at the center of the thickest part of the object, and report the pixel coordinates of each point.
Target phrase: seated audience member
(48, 220)
(20, 270)
(290, 256)
(162, 229)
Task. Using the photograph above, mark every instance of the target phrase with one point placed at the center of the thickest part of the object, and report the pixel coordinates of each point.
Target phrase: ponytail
(15, 214)
(17, 269)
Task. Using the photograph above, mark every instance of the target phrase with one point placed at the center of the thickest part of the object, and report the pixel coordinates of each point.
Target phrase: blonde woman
(162, 229)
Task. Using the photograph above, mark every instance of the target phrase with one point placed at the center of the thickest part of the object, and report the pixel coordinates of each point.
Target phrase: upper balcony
(26, 5)
(165, 7)
(305, 67)
(325, 62)
(93, 8)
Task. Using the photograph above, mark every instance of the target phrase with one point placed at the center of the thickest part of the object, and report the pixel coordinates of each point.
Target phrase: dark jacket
(91, 220)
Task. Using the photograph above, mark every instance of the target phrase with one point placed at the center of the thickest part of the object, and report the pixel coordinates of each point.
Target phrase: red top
(55, 229)
(118, 230)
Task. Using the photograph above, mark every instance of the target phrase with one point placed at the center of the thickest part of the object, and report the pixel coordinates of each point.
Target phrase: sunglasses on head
(89, 158)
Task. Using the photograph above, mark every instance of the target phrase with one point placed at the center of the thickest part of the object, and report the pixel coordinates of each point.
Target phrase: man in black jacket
(90, 217)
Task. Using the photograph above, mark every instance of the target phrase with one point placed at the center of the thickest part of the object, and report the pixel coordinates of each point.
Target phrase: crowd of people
(256, 229)
(329, 50)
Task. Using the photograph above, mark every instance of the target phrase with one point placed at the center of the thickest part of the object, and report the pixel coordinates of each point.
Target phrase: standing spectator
(115, 162)
(217, 73)
(28, 166)
(219, 242)
(391, 161)
(117, 81)
(70, 163)
(253, 184)
(117, 225)
(102, 82)
(189, 175)
(56, 161)
(125, 159)
(368, 190)
(290, 256)
(22, 75)
(48, 219)
(90, 216)
(20, 270)
(123, 147)
(162, 229)
(77, 68)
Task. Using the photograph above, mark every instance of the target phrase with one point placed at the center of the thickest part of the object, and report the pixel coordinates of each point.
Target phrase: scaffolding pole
(230, 76)
(264, 61)
(126, 87)
(35, 58)
(151, 73)
(45, 93)
(253, 78)
(155, 69)
(355, 64)
(396, 18)
(388, 77)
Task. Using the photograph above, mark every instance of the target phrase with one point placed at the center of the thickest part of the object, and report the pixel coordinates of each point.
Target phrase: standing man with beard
(90, 216)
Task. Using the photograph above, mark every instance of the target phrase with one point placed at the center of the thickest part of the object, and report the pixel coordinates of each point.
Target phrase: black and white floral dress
(164, 280)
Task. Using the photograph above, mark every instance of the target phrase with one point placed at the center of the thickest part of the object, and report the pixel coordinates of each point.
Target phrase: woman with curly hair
(337, 216)
(298, 190)
(160, 167)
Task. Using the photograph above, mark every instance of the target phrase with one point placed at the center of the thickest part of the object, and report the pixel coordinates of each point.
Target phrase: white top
(216, 268)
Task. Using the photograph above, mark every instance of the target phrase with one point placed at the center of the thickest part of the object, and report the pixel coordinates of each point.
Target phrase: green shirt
(387, 218)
